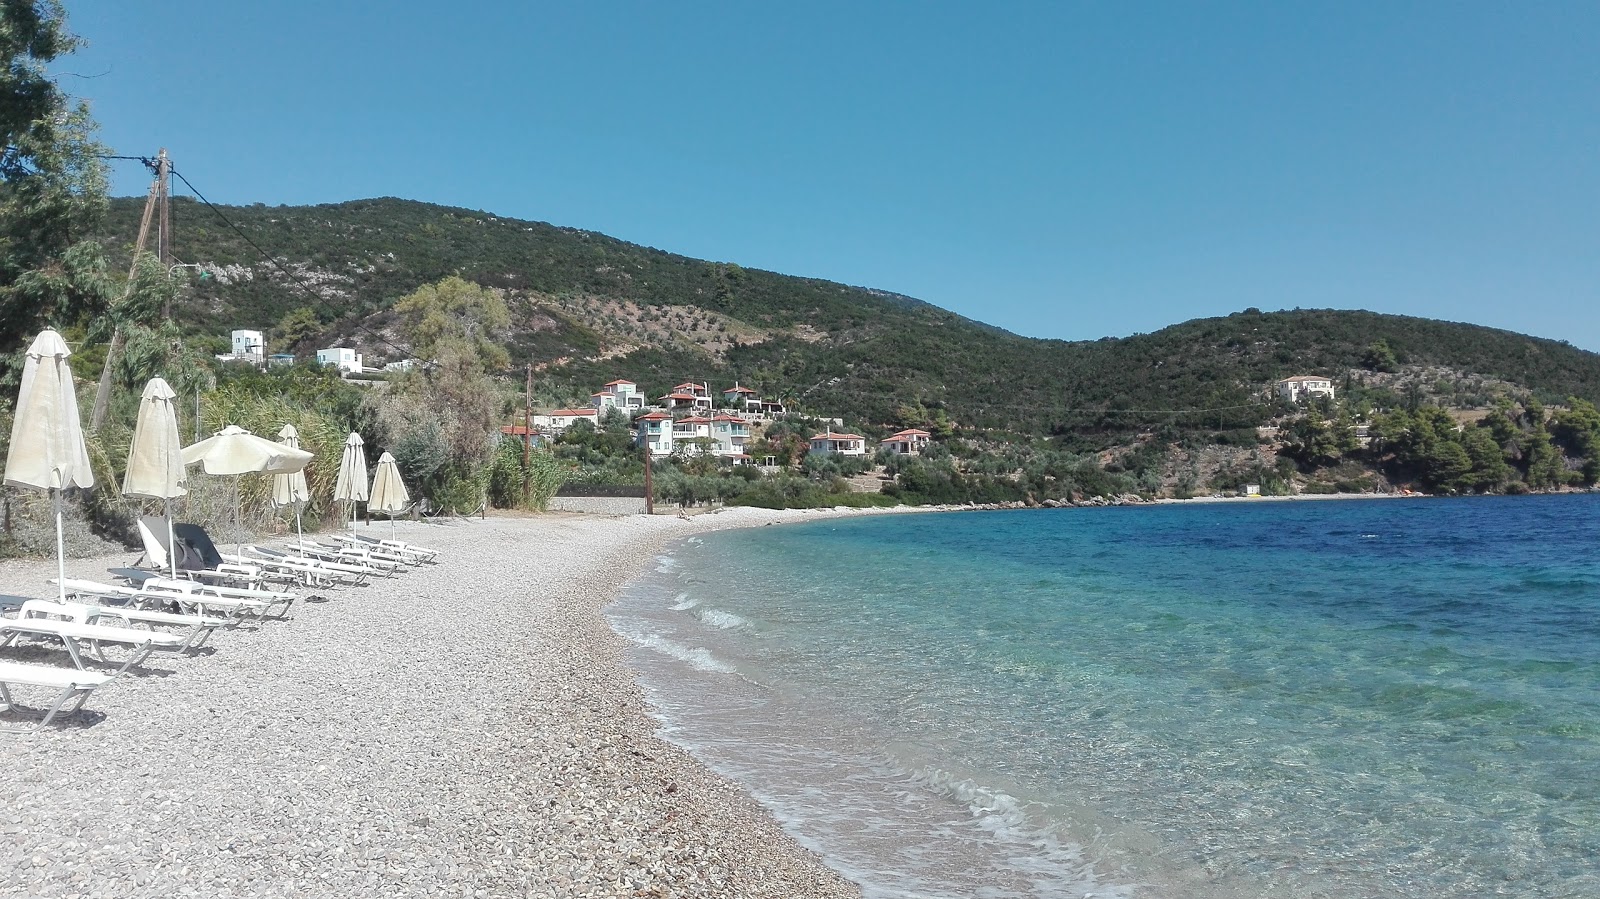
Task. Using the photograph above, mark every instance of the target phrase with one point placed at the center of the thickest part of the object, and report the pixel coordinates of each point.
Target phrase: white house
(842, 444)
(700, 392)
(730, 432)
(737, 396)
(559, 420)
(346, 359)
(1301, 387)
(250, 347)
(654, 431)
(909, 442)
(618, 394)
(693, 434)
(679, 401)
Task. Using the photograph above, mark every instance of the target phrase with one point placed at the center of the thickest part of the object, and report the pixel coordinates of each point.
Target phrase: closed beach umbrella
(47, 450)
(351, 487)
(388, 491)
(290, 489)
(235, 451)
(155, 460)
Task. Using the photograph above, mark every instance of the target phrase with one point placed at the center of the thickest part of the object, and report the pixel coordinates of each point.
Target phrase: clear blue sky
(1070, 170)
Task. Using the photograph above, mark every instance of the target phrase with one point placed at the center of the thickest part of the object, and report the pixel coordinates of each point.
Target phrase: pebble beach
(462, 729)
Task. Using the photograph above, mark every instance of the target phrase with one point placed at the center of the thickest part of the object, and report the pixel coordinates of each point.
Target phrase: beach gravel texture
(463, 729)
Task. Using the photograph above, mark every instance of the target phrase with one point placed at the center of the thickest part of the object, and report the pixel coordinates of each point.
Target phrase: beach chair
(324, 569)
(67, 685)
(139, 579)
(196, 629)
(194, 561)
(420, 553)
(337, 554)
(150, 591)
(35, 621)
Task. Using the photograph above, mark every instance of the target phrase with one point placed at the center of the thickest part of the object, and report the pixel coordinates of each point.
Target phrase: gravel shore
(464, 729)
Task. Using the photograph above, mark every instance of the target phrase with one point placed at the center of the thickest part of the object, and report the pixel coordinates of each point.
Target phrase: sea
(1366, 698)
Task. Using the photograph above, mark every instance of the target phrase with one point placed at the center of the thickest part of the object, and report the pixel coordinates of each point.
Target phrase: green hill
(589, 308)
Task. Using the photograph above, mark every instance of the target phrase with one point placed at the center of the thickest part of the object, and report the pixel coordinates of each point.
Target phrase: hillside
(588, 308)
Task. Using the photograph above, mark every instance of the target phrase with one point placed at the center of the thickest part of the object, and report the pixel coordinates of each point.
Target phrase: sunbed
(420, 553)
(192, 597)
(72, 635)
(196, 560)
(359, 559)
(323, 570)
(196, 629)
(67, 685)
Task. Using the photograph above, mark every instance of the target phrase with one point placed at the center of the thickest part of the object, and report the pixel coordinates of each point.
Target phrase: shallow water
(1395, 697)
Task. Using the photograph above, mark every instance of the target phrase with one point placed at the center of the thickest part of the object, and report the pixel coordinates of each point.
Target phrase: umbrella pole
(172, 543)
(61, 552)
(238, 515)
(299, 535)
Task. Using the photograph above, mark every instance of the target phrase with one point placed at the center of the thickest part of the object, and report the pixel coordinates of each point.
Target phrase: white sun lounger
(342, 555)
(72, 635)
(196, 629)
(190, 594)
(69, 684)
(421, 552)
(324, 570)
(200, 599)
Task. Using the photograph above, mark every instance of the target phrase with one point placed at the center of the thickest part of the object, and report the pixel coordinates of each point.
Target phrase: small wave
(722, 620)
(666, 564)
(683, 602)
(698, 657)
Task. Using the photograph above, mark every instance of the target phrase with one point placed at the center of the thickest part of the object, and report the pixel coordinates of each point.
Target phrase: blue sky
(1068, 170)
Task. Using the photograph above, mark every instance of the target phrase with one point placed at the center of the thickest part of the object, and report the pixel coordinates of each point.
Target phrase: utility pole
(157, 197)
(164, 226)
(649, 484)
(527, 419)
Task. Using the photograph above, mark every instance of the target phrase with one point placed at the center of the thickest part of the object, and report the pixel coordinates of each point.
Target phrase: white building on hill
(1303, 387)
(346, 359)
(841, 444)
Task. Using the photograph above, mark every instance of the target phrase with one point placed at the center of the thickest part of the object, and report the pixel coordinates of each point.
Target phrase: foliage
(825, 346)
(515, 485)
(441, 420)
(455, 318)
(52, 186)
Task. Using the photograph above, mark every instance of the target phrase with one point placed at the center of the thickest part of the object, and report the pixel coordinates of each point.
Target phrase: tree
(52, 185)
(297, 326)
(444, 417)
(455, 315)
(1379, 357)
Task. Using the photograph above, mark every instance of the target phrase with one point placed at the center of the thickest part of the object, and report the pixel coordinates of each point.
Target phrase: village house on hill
(618, 394)
(839, 444)
(1302, 387)
(909, 442)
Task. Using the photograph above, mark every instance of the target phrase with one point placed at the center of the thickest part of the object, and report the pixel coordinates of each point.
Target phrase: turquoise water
(1340, 699)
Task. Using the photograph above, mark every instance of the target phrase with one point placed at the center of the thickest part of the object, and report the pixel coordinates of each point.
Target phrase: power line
(294, 279)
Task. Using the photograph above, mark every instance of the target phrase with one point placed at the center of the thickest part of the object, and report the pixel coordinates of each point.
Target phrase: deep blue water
(1341, 699)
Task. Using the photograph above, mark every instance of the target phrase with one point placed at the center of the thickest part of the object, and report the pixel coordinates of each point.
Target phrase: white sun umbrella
(290, 489)
(388, 491)
(155, 460)
(47, 450)
(235, 451)
(351, 487)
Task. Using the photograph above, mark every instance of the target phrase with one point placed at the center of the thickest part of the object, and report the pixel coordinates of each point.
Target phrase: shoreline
(464, 729)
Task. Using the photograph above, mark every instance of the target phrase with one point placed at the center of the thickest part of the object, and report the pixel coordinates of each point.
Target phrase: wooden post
(102, 393)
(527, 418)
(649, 484)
